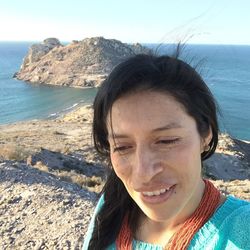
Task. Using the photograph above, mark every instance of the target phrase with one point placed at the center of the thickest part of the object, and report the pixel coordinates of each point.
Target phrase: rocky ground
(40, 211)
(50, 177)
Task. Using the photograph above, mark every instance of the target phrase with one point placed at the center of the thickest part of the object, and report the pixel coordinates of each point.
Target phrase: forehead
(147, 108)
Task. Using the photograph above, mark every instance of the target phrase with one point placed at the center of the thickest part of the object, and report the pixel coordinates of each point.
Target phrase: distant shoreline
(53, 116)
(71, 111)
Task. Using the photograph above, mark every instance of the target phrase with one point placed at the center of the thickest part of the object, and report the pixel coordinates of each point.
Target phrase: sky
(144, 21)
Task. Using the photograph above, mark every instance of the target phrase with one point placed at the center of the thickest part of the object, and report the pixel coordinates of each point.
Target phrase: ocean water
(21, 101)
(225, 68)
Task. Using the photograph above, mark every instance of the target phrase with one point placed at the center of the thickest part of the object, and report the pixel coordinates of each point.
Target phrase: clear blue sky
(148, 21)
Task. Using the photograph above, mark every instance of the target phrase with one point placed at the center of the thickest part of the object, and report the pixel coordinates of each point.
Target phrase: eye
(121, 148)
(168, 141)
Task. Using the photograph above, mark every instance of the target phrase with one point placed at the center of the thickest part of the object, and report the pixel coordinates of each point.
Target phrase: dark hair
(154, 73)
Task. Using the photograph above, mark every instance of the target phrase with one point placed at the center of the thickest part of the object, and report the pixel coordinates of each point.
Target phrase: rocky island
(83, 63)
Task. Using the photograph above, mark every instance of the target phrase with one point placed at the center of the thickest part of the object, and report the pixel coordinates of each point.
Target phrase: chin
(158, 213)
(160, 216)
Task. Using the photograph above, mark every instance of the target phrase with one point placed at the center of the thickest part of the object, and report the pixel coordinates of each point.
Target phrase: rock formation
(83, 63)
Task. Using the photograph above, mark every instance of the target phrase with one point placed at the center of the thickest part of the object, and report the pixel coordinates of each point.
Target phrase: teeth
(157, 192)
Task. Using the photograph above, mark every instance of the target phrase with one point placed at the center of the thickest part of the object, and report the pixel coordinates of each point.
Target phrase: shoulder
(238, 217)
(234, 228)
(88, 235)
(99, 204)
(235, 210)
(228, 228)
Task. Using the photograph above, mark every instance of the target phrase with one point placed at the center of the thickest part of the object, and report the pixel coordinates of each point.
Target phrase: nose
(146, 166)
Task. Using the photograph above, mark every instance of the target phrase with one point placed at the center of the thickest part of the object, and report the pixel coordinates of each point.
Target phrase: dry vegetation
(13, 152)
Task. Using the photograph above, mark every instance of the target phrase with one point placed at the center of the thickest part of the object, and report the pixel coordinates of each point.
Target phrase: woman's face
(155, 150)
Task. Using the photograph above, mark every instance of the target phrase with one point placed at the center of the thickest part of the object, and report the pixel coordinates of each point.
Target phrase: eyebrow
(169, 126)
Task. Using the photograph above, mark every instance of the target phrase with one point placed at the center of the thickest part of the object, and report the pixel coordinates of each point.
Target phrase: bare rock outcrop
(37, 51)
(83, 63)
(231, 160)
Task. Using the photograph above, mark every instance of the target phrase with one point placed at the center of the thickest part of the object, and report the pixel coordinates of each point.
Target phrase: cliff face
(83, 63)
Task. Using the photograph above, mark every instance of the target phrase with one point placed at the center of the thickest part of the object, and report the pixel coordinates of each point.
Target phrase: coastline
(248, 142)
(51, 116)
(73, 109)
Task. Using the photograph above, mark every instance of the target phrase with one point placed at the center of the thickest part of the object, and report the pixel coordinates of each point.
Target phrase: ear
(206, 140)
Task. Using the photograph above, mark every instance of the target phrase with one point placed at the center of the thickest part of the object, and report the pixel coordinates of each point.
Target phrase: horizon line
(191, 43)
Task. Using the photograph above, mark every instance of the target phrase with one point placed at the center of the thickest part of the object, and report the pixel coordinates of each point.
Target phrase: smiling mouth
(157, 192)
(158, 196)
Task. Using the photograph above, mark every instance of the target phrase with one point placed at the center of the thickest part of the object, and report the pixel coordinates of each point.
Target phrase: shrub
(13, 152)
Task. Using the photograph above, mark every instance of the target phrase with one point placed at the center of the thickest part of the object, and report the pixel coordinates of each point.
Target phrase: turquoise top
(228, 228)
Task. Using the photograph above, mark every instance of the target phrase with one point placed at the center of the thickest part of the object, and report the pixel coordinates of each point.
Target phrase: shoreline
(74, 108)
(52, 116)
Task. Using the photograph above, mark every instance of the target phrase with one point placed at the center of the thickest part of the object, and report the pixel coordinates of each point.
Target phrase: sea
(225, 69)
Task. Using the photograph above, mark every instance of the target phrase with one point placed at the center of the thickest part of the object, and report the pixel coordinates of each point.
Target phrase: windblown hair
(164, 74)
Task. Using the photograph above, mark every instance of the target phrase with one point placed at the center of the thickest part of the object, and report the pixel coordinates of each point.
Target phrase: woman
(155, 121)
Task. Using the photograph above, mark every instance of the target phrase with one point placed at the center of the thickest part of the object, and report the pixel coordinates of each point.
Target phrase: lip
(156, 199)
(154, 188)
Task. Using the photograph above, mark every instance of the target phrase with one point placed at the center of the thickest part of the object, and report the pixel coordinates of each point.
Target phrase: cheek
(185, 156)
(192, 159)
(120, 165)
